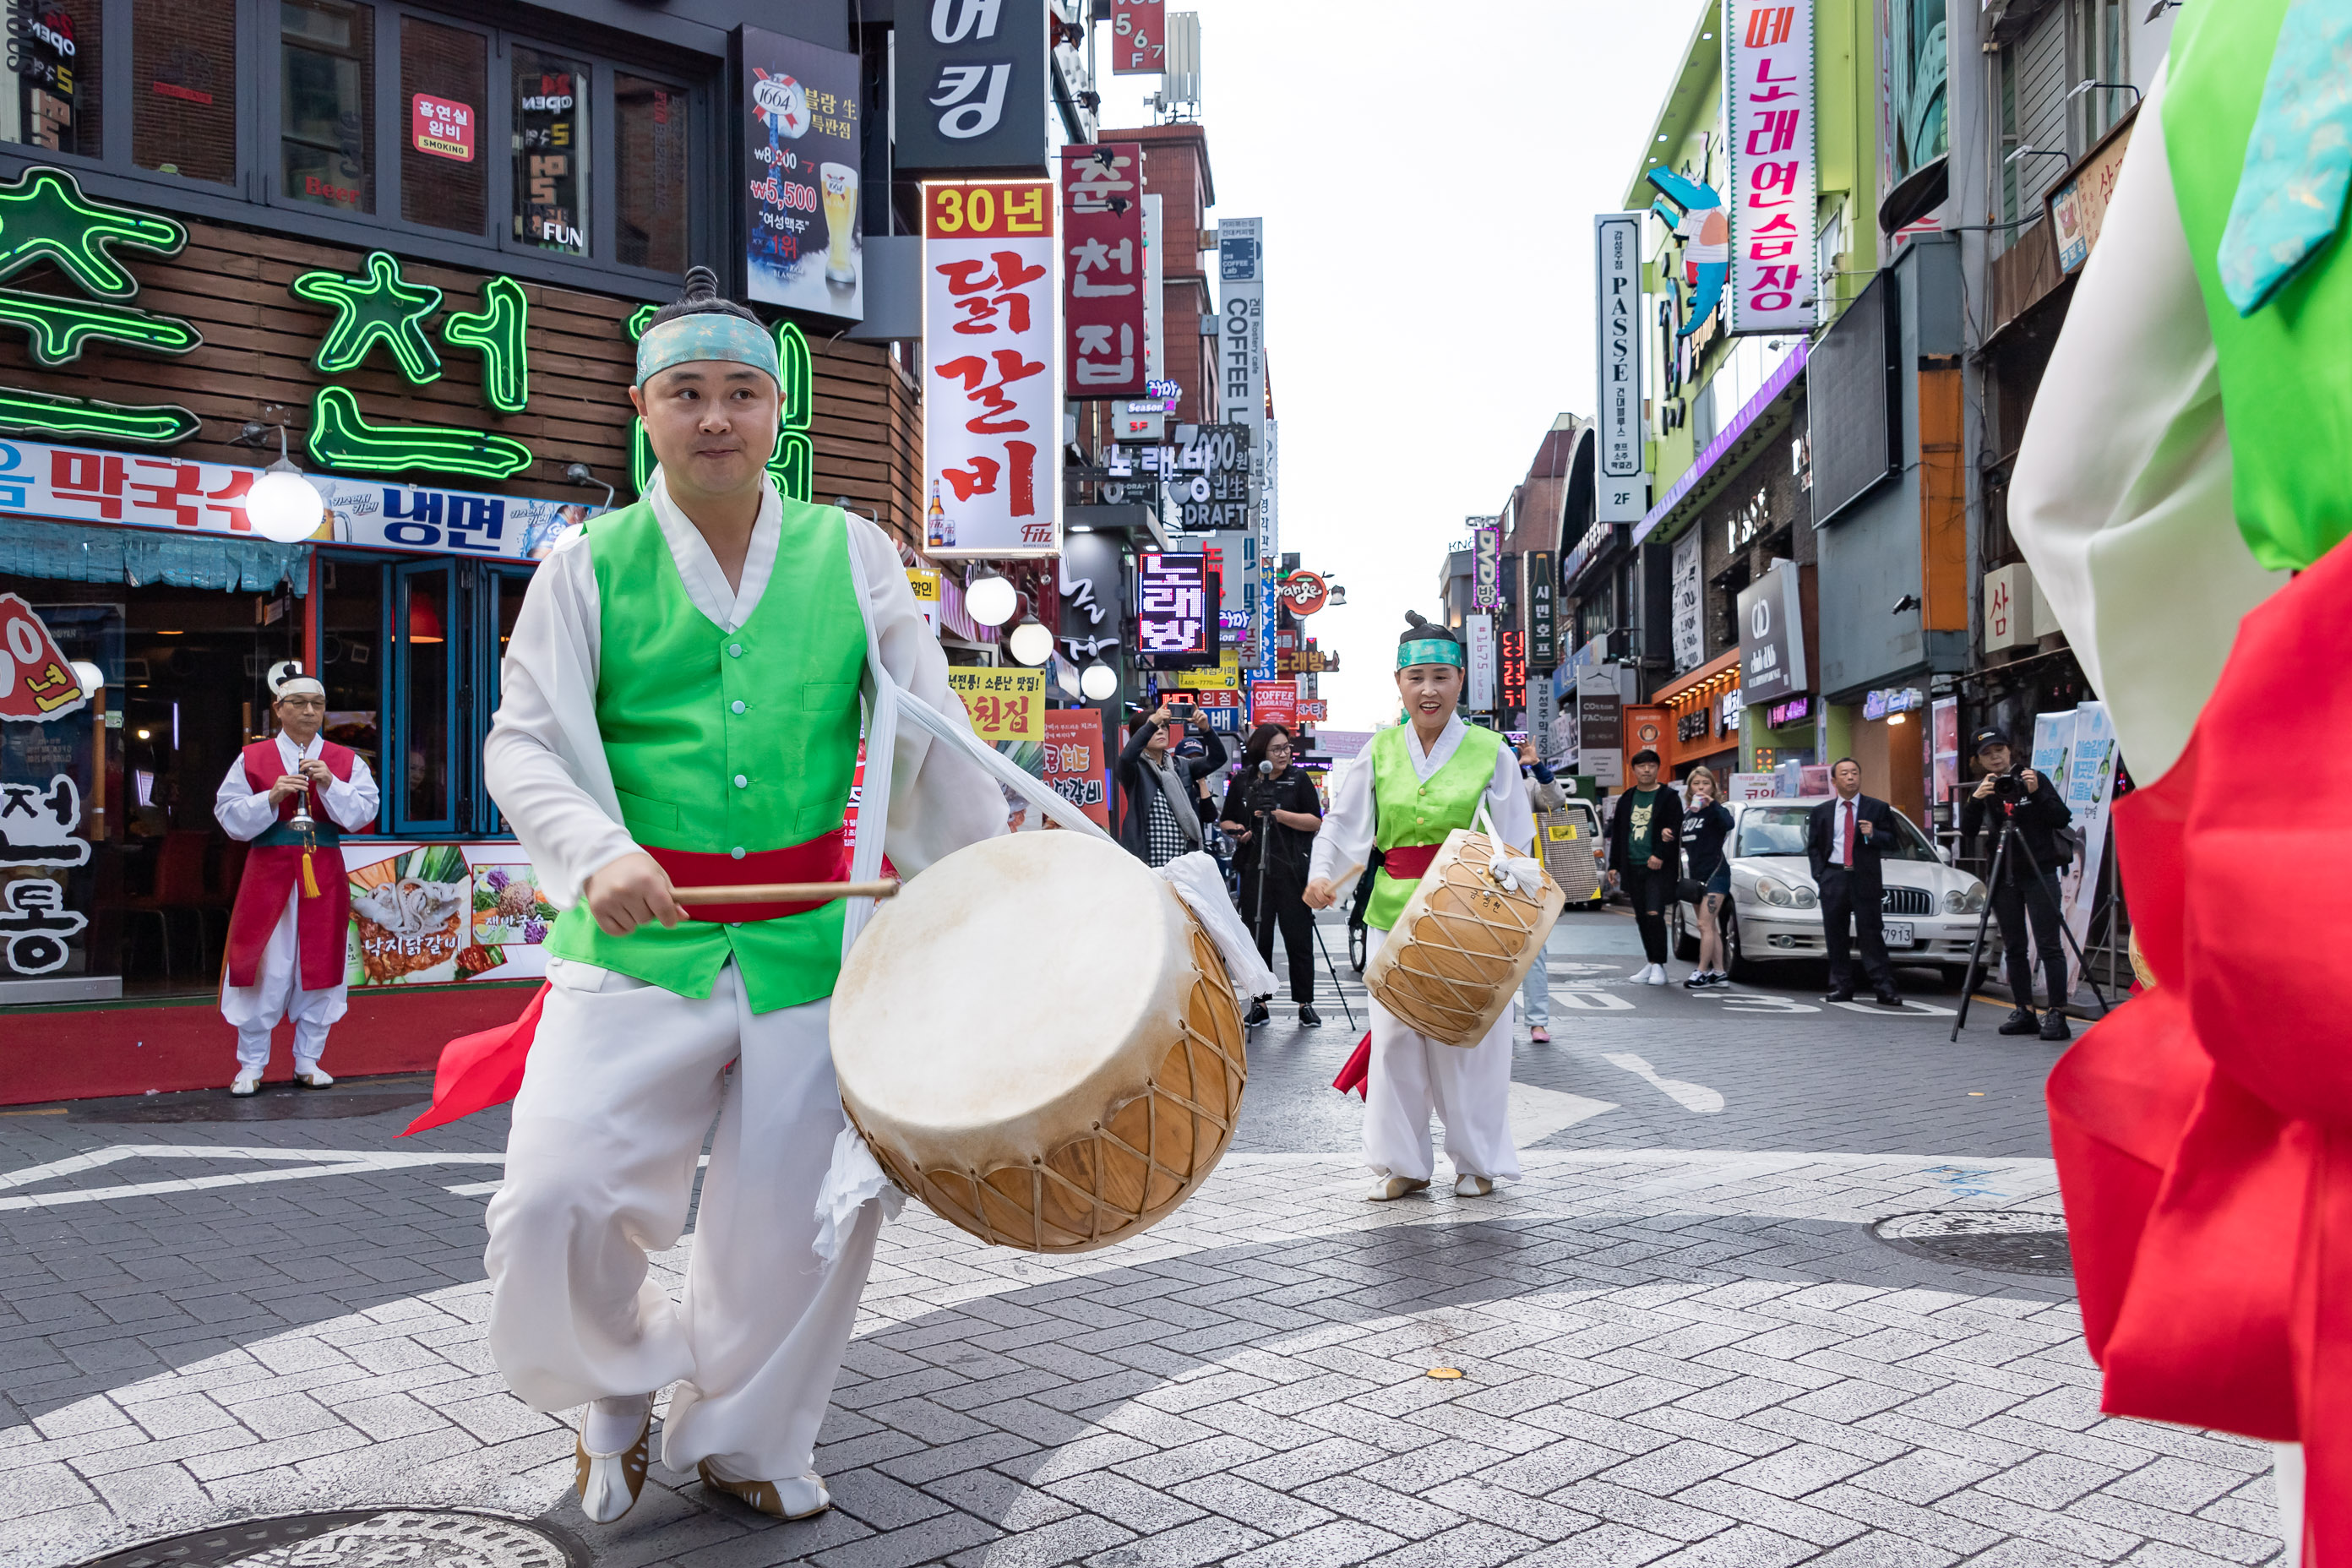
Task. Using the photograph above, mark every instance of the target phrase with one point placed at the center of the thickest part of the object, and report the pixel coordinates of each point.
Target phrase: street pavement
(1729, 1317)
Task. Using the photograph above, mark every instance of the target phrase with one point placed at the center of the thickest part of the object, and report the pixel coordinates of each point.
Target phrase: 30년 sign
(992, 397)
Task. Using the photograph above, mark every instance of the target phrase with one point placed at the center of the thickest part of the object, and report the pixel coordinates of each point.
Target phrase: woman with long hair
(1271, 813)
(1706, 824)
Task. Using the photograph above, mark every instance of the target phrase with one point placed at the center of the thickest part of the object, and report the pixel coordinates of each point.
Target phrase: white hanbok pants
(1469, 1090)
(622, 1082)
(253, 1011)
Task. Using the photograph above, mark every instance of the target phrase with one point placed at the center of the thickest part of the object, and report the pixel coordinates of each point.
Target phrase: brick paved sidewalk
(1675, 1357)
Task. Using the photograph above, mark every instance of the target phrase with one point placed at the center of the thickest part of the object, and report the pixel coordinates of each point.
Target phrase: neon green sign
(24, 412)
(380, 307)
(340, 438)
(496, 333)
(45, 217)
(794, 464)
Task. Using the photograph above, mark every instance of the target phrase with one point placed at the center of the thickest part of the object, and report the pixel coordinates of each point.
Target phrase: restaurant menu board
(801, 173)
(431, 914)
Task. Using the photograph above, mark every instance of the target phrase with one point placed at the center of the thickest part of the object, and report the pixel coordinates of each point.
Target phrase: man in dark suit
(1845, 838)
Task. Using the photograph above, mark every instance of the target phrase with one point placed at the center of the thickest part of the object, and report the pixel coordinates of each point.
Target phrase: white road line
(1909, 1009)
(1695, 1097)
(294, 1165)
(1593, 1001)
(1538, 1113)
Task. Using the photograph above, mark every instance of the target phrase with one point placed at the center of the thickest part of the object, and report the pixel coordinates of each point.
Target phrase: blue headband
(706, 335)
(1430, 651)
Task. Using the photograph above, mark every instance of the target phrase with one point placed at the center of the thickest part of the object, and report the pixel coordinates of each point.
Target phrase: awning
(74, 552)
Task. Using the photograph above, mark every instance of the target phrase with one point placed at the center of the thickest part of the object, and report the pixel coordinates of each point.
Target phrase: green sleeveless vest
(1408, 812)
(2285, 391)
(726, 742)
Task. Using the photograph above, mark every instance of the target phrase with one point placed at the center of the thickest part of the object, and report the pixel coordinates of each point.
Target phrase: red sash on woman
(273, 872)
(2204, 1132)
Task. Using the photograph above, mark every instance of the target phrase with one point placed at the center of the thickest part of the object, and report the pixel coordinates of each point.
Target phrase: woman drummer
(1413, 786)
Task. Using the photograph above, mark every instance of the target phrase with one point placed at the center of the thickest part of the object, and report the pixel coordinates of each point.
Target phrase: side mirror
(1944, 853)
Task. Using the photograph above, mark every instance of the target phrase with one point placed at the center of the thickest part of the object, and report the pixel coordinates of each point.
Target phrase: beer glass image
(839, 181)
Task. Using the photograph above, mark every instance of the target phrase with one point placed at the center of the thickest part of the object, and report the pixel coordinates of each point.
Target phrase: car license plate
(1898, 932)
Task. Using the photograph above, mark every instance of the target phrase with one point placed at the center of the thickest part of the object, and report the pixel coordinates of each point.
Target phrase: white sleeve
(1344, 842)
(353, 802)
(940, 800)
(241, 813)
(527, 760)
(2121, 493)
(1507, 802)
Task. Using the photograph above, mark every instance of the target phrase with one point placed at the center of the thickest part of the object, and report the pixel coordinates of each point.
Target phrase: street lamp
(282, 503)
(990, 598)
(1030, 642)
(1098, 681)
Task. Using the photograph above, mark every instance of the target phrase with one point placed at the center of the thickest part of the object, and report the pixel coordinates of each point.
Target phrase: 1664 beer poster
(800, 171)
(990, 370)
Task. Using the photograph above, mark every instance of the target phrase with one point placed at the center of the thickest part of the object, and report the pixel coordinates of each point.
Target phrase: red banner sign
(1102, 269)
(1273, 703)
(1139, 42)
(1074, 760)
(1312, 711)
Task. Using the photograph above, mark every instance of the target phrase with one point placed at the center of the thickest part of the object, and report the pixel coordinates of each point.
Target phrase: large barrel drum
(1463, 944)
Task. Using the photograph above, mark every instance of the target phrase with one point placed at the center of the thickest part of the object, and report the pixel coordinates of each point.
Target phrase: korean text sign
(1074, 761)
(1486, 561)
(1004, 704)
(992, 392)
(1768, 113)
(971, 88)
(1102, 268)
(1172, 604)
(801, 209)
(1617, 350)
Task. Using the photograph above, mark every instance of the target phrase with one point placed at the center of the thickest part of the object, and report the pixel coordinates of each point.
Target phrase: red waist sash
(477, 1071)
(1408, 862)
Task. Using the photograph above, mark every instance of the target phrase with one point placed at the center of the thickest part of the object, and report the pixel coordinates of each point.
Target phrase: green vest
(2285, 393)
(1408, 812)
(726, 742)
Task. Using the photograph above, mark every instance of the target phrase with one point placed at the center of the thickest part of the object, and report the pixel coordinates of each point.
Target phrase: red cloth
(1407, 861)
(1359, 1070)
(273, 871)
(479, 1071)
(2204, 1132)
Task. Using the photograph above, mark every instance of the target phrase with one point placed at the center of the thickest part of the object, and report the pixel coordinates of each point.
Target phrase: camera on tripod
(2008, 788)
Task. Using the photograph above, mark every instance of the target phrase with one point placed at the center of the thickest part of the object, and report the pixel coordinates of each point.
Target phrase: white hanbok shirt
(247, 813)
(544, 760)
(1345, 841)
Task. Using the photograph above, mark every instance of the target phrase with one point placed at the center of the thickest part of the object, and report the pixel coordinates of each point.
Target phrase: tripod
(2011, 838)
(1257, 923)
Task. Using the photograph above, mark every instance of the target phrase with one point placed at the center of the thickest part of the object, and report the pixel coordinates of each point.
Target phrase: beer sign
(804, 246)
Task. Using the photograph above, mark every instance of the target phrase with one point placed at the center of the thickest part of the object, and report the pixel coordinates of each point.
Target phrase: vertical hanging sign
(1478, 631)
(992, 397)
(1103, 271)
(1138, 37)
(1486, 561)
(1543, 610)
(1241, 393)
(1768, 122)
(1623, 495)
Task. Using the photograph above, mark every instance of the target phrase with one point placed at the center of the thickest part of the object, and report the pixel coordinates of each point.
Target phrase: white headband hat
(286, 679)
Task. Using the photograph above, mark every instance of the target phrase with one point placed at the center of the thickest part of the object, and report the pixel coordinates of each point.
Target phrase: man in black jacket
(1645, 858)
(1158, 820)
(1846, 838)
(2031, 805)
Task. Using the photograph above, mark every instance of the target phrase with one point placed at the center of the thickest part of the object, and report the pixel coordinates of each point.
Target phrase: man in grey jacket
(1545, 793)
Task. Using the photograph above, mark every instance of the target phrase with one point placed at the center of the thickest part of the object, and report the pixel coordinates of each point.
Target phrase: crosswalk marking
(1695, 1097)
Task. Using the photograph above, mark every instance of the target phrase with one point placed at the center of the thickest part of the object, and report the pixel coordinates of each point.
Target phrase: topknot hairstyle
(701, 296)
(1420, 628)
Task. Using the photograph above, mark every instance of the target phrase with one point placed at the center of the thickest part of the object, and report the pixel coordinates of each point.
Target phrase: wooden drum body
(1461, 945)
(1039, 1041)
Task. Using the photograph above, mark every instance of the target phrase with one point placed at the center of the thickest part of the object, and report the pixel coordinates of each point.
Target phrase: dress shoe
(2020, 1021)
(1839, 996)
(608, 1484)
(2053, 1026)
(1309, 1018)
(1889, 999)
(246, 1083)
(1473, 1186)
(1387, 1189)
(1257, 1015)
(796, 1497)
(312, 1076)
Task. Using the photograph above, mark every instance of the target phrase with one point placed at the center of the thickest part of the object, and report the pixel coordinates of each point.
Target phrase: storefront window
(54, 56)
(652, 173)
(445, 80)
(183, 88)
(551, 152)
(326, 103)
(351, 640)
(424, 697)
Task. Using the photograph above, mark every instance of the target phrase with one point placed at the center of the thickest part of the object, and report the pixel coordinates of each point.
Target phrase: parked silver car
(1930, 913)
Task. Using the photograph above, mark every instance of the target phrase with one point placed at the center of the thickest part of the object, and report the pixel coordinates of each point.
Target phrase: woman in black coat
(1273, 812)
(1157, 819)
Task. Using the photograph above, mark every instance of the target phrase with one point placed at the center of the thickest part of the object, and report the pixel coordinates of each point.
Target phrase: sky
(1428, 179)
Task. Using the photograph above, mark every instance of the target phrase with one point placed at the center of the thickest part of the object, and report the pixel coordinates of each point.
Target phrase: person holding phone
(1160, 821)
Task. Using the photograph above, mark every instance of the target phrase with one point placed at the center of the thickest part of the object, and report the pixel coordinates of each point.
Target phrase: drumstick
(787, 892)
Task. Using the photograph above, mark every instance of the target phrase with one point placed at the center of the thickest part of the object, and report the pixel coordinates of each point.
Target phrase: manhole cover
(2014, 1241)
(270, 1105)
(409, 1538)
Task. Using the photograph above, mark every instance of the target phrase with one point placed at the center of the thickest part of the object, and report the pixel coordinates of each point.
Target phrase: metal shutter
(2039, 62)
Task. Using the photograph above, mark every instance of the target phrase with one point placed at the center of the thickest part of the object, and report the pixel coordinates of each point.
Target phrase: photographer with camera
(2030, 803)
(1271, 813)
(1160, 822)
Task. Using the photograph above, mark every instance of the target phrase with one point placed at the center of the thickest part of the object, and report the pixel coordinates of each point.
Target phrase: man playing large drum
(1414, 784)
(681, 708)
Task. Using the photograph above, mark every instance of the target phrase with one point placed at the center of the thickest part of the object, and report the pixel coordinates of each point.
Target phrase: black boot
(2054, 1026)
(1309, 1018)
(2020, 1021)
(1257, 1015)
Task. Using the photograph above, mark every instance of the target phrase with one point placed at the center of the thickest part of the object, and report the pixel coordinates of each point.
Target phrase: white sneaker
(1473, 1186)
(247, 1081)
(1387, 1189)
(1656, 975)
(1642, 975)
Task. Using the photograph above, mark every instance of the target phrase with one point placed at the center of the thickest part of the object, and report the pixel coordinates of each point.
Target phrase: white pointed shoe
(1386, 1189)
(247, 1082)
(608, 1484)
(312, 1076)
(1473, 1186)
(795, 1497)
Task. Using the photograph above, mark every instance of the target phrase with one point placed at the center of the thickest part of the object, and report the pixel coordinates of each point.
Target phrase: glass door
(499, 602)
(421, 772)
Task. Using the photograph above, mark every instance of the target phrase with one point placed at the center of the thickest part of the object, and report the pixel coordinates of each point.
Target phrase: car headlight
(1785, 895)
(1806, 897)
(1972, 902)
(1954, 900)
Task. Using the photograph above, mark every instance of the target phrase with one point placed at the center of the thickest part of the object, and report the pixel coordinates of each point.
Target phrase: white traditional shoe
(1467, 1186)
(312, 1076)
(1386, 1189)
(608, 1484)
(247, 1082)
(795, 1497)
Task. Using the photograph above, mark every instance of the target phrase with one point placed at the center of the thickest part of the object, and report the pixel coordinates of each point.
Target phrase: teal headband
(1430, 651)
(706, 335)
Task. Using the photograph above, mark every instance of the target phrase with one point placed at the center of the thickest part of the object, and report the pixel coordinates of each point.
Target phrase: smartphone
(1180, 699)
